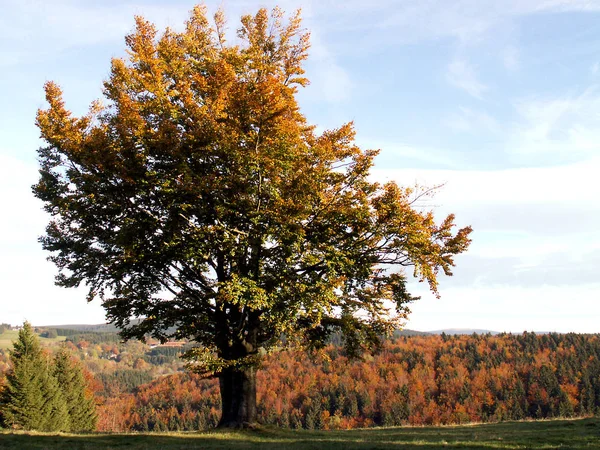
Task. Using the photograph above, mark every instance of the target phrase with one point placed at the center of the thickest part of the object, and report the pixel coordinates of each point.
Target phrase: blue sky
(498, 100)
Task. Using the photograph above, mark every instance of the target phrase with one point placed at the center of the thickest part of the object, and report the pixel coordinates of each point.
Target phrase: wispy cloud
(463, 76)
(522, 186)
(563, 127)
(535, 240)
(409, 154)
(539, 210)
(408, 21)
(69, 22)
(329, 80)
(39, 28)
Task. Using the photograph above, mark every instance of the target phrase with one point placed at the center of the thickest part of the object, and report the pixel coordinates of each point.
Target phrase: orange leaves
(201, 178)
(56, 124)
(418, 380)
(275, 50)
(198, 39)
(141, 43)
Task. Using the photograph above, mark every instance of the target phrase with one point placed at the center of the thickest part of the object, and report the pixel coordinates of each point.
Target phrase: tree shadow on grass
(572, 434)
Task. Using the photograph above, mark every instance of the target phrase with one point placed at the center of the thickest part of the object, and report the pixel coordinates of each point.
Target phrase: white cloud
(27, 279)
(331, 82)
(21, 223)
(463, 76)
(510, 309)
(328, 80)
(566, 185)
(567, 127)
(400, 151)
(535, 246)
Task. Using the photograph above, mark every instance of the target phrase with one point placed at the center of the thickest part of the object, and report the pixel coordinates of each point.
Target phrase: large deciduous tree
(199, 200)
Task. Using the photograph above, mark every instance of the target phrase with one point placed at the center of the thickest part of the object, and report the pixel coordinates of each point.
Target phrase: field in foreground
(566, 434)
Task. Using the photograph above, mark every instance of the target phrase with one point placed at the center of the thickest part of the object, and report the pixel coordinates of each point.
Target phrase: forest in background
(417, 380)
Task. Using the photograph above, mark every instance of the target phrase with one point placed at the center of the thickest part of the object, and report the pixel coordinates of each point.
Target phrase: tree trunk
(238, 398)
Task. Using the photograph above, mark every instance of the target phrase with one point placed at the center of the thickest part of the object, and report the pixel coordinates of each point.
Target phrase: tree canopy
(200, 201)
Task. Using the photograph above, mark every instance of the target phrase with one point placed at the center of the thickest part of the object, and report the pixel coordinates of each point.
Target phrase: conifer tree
(55, 415)
(80, 405)
(31, 398)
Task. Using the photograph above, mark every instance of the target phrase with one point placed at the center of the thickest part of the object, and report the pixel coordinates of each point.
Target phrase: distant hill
(455, 331)
(110, 328)
(406, 332)
(99, 328)
(87, 328)
(91, 328)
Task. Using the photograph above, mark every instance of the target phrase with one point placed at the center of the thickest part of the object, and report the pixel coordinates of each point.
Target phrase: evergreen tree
(55, 415)
(80, 405)
(31, 398)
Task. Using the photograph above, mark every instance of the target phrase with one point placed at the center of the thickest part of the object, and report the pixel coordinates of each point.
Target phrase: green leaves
(199, 200)
(243, 293)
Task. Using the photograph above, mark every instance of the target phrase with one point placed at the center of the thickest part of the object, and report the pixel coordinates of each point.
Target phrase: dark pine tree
(80, 405)
(31, 399)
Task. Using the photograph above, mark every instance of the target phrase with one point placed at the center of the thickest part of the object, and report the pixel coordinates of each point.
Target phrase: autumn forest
(413, 379)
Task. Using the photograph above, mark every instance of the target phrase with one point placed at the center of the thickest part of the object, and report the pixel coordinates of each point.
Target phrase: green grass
(9, 336)
(564, 434)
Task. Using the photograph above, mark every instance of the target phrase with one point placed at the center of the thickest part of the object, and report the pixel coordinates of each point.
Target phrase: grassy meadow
(9, 336)
(565, 434)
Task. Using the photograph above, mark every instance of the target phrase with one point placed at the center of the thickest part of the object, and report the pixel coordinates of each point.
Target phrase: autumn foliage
(413, 380)
(199, 201)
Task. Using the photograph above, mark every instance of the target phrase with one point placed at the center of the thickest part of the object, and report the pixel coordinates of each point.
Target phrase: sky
(497, 101)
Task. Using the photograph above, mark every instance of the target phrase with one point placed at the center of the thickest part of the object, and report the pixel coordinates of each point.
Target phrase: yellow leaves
(288, 222)
(197, 21)
(243, 292)
(220, 25)
(206, 361)
(56, 125)
(192, 82)
(198, 39)
(96, 108)
(273, 49)
(141, 42)
(54, 97)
